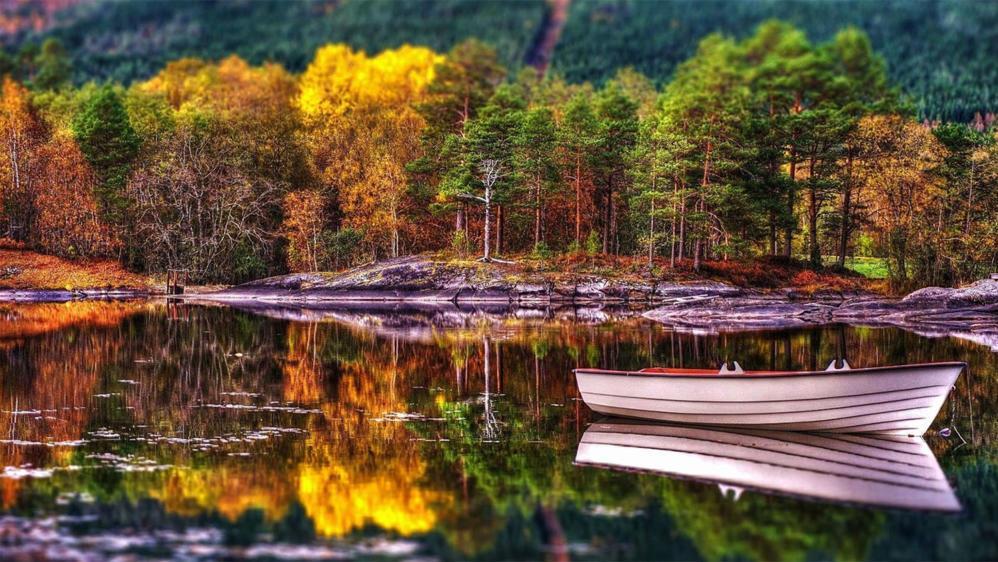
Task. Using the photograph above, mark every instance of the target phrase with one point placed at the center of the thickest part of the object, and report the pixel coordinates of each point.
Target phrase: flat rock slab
(418, 279)
(970, 313)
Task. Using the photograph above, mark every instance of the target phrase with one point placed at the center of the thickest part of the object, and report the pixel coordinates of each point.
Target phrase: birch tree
(485, 171)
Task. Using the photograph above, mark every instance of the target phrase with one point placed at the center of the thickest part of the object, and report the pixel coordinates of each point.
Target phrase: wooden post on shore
(176, 281)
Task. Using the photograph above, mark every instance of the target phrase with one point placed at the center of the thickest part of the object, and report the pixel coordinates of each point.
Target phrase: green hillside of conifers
(942, 52)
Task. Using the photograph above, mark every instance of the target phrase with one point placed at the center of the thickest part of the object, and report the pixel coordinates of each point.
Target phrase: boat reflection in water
(873, 470)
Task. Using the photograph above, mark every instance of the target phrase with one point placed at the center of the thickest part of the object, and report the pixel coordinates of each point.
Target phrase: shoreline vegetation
(428, 290)
(723, 296)
(774, 294)
(758, 149)
(443, 276)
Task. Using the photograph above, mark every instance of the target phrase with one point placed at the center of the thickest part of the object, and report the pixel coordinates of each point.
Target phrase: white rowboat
(873, 470)
(900, 400)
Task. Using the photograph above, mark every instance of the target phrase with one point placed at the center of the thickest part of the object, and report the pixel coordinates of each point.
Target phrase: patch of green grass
(871, 268)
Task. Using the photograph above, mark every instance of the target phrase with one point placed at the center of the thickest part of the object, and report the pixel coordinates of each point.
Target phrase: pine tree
(110, 145)
(707, 102)
(535, 161)
(53, 68)
(463, 83)
(485, 172)
(577, 141)
(616, 133)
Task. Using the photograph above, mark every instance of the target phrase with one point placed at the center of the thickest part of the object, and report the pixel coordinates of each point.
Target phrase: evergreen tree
(708, 103)
(650, 171)
(773, 57)
(463, 82)
(577, 141)
(485, 172)
(53, 68)
(535, 161)
(616, 133)
(110, 144)
(860, 87)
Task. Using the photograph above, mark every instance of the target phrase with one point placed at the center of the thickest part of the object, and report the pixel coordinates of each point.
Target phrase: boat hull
(873, 470)
(901, 400)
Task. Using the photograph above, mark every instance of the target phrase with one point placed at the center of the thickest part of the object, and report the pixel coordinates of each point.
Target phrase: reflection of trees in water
(188, 357)
(758, 527)
(919, 536)
(518, 473)
(229, 489)
(359, 471)
(52, 357)
(466, 488)
(512, 421)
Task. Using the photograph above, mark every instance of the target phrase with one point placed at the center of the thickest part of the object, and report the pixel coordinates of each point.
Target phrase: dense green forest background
(941, 52)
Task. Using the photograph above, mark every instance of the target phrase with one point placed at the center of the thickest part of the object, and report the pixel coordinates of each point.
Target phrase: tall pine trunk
(846, 219)
(788, 247)
(704, 185)
(651, 235)
(812, 218)
(682, 224)
(578, 200)
(672, 239)
(772, 233)
(537, 214)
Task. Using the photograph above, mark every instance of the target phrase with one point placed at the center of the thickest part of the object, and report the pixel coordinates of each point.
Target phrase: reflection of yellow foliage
(229, 490)
(384, 491)
(366, 472)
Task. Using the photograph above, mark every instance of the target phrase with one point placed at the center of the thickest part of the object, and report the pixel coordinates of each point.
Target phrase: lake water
(138, 429)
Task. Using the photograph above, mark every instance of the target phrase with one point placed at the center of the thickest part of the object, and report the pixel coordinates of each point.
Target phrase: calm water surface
(137, 429)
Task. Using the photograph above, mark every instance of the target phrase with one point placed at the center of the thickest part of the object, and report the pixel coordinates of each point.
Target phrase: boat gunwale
(710, 375)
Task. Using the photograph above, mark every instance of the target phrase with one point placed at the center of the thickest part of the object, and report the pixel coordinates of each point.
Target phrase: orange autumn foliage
(304, 229)
(21, 133)
(23, 269)
(362, 130)
(68, 223)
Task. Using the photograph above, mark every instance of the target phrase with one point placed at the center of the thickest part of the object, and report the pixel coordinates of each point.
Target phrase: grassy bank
(23, 269)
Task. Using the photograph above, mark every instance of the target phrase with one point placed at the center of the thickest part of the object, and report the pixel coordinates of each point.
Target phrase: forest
(940, 51)
(774, 144)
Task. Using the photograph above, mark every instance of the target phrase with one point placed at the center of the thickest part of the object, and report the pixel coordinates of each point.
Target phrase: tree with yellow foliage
(899, 157)
(362, 130)
(21, 134)
(255, 103)
(68, 222)
(303, 227)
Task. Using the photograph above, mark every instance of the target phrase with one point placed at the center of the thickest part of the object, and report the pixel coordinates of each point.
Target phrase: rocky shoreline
(969, 312)
(702, 305)
(418, 280)
(65, 295)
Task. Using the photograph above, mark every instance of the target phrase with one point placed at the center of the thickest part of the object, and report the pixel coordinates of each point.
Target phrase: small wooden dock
(176, 281)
